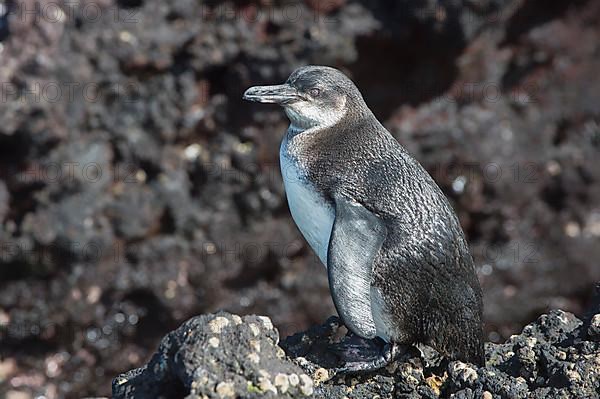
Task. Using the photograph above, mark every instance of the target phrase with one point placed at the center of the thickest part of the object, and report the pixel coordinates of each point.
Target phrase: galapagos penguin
(398, 264)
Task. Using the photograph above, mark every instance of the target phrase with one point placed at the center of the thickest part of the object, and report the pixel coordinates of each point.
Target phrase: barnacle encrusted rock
(225, 356)
(216, 356)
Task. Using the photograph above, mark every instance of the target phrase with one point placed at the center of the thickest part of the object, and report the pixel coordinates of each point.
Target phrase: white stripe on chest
(312, 214)
(314, 217)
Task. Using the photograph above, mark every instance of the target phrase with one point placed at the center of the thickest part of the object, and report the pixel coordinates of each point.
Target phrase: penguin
(399, 268)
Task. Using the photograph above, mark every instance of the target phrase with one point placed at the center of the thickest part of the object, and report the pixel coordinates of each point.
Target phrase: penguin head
(313, 96)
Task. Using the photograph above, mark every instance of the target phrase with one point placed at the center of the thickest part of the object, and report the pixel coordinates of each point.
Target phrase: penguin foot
(354, 348)
(364, 355)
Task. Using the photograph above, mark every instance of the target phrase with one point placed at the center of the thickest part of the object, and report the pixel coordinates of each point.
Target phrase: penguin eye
(314, 92)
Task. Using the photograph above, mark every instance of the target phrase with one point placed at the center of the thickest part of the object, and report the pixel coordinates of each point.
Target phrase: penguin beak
(277, 94)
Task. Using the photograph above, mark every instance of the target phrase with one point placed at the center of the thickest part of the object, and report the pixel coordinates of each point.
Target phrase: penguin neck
(301, 129)
(300, 124)
(305, 119)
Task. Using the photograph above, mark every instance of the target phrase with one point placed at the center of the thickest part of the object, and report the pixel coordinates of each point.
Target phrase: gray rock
(217, 356)
(594, 328)
(223, 355)
(135, 211)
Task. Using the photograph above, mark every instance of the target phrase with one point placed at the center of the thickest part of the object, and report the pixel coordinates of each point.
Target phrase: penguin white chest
(311, 213)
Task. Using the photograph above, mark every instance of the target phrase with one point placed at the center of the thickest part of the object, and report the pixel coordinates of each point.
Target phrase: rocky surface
(226, 356)
(220, 355)
(137, 190)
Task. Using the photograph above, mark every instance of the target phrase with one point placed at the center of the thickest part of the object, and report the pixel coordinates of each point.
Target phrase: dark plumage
(396, 249)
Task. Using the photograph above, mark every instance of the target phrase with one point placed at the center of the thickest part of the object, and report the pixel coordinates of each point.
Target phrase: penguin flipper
(356, 238)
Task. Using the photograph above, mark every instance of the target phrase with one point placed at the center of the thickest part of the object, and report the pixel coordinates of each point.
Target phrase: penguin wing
(356, 238)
